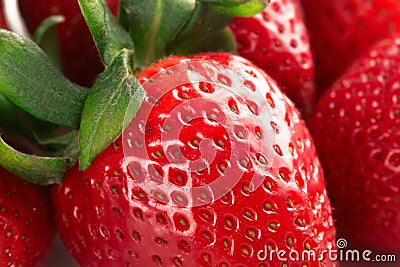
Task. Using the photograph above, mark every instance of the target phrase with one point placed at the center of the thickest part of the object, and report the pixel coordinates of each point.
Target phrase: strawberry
(205, 117)
(3, 22)
(355, 128)
(276, 40)
(26, 222)
(340, 31)
(79, 57)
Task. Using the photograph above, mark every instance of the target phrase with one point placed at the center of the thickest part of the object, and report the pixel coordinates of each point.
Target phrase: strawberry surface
(355, 128)
(340, 31)
(79, 56)
(216, 169)
(26, 222)
(277, 41)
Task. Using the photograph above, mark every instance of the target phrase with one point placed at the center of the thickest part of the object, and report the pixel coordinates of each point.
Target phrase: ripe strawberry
(26, 222)
(276, 40)
(342, 30)
(355, 128)
(205, 118)
(79, 57)
(3, 23)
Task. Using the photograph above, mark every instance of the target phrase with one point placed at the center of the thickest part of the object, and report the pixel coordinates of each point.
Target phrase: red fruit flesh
(107, 216)
(26, 222)
(355, 128)
(79, 56)
(276, 40)
(342, 30)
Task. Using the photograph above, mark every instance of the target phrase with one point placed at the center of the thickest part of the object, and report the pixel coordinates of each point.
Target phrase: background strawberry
(3, 23)
(26, 222)
(80, 60)
(342, 30)
(105, 217)
(277, 41)
(355, 128)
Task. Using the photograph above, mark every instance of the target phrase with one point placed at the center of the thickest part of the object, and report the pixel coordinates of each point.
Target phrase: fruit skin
(356, 131)
(26, 222)
(342, 30)
(105, 218)
(3, 23)
(277, 41)
(79, 56)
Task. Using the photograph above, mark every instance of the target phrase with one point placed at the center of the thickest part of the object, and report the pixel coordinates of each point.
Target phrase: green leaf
(34, 169)
(154, 24)
(103, 117)
(110, 37)
(211, 17)
(30, 80)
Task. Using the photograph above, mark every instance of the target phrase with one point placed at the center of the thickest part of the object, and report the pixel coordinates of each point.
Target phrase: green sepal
(46, 37)
(153, 25)
(223, 39)
(110, 37)
(238, 8)
(209, 18)
(31, 168)
(61, 140)
(29, 79)
(57, 145)
(105, 110)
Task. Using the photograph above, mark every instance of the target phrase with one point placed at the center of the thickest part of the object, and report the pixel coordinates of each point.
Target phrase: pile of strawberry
(200, 132)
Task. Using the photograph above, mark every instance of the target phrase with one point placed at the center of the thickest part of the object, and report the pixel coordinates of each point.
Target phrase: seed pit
(136, 236)
(250, 85)
(161, 219)
(138, 214)
(157, 260)
(278, 150)
(184, 246)
(270, 100)
(233, 106)
(160, 241)
(230, 222)
(181, 222)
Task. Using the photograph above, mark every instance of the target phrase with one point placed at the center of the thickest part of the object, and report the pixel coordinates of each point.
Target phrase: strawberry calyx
(35, 87)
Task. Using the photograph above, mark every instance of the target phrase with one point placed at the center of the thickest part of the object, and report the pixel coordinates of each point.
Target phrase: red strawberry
(79, 57)
(206, 118)
(355, 128)
(276, 40)
(342, 30)
(3, 23)
(26, 222)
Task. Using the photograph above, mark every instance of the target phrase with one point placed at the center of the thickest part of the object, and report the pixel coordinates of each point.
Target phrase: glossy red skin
(342, 30)
(79, 56)
(3, 23)
(106, 219)
(355, 128)
(26, 222)
(277, 41)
